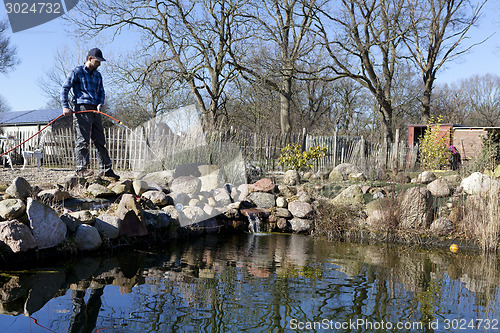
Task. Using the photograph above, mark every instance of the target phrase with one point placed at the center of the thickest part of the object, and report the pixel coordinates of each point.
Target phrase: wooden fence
(150, 148)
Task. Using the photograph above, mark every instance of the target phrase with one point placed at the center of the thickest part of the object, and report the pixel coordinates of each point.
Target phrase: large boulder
(263, 185)
(100, 191)
(16, 236)
(48, 229)
(19, 188)
(439, 188)
(160, 178)
(379, 213)
(262, 199)
(442, 226)
(301, 225)
(140, 186)
(130, 213)
(108, 225)
(346, 169)
(291, 178)
(159, 198)
(12, 209)
(186, 184)
(480, 184)
(351, 196)
(416, 208)
(87, 237)
(53, 195)
(300, 209)
(212, 180)
(221, 197)
(426, 177)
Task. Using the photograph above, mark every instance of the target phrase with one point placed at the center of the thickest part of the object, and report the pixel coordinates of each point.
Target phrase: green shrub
(293, 158)
(434, 145)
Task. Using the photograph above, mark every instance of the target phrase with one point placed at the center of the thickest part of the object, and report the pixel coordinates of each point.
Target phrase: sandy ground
(45, 177)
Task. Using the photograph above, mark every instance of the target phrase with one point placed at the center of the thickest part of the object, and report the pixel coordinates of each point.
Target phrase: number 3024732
(35, 8)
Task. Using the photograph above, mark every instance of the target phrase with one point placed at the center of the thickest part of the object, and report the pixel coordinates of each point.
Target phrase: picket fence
(147, 149)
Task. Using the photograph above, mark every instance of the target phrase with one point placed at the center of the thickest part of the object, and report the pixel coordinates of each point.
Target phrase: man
(88, 94)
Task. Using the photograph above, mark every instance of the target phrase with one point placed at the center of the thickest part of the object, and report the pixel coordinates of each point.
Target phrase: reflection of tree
(84, 315)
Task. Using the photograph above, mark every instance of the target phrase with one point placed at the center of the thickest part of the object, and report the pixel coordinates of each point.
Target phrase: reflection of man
(84, 316)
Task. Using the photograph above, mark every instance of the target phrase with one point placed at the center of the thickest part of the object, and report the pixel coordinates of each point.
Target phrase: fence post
(335, 149)
(395, 152)
(304, 137)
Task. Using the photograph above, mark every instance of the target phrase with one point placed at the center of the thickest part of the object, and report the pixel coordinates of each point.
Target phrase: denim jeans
(88, 126)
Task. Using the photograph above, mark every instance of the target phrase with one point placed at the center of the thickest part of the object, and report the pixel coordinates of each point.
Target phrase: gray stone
(301, 225)
(130, 213)
(161, 178)
(190, 215)
(121, 187)
(291, 178)
(357, 176)
(157, 219)
(222, 197)
(351, 196)
(47, 228)
(442, 226)
(416, 208)
(300, 209)
(287, 191)
(212, 180)
(179, 198)
(100, 191)
(439, 188)
(87, 238)
(402, 178)
(19, 188)
(16, 236)
(480, 184)
(12, 208)
(379, 213)
(281, 202)
(186, 184)
(159, 198)
(71, 222)
(263, 200)
(53, 195)
(283, 212)
(72, 181)
(108, 225)
(140, 186)
(173, 213)
(426, 177)
(336, 176)
(83, 216)
(346, 169)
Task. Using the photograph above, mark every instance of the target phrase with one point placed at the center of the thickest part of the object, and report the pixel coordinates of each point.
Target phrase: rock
(12, 208)
(353, 196)
(439, 188)
(160, 178)
(281, 202)
(212, 180)
(300, 209)
(157, 219)
(121, 187)
(83, 216)
(16, 236)
(402, 178)
(254, 173)
(283, 224)
(71, 222)
(452, 179)
(263, 185)
(358, 176)
(130, 213)
(47, 228)
(496, 172)
(178, 198)
(186, 184)
(190, 215)
(365, 189)
(55, 194)
(304, 197)
(426, 177)
(108, 225)
(287, 191)
(159, 198)
(346, 169)
(140, 186)
(307, 175)
(291, 178)
(283, 212)
(173, 213)
(87, 238)
(100, 191)
(336, 176)
(301, 225)
(19, 189)
(262, 199)
(379, 213)
(222, 197)
(480, 184)
(72, 181)
(442, 226)
(194, 170)
(416, 208)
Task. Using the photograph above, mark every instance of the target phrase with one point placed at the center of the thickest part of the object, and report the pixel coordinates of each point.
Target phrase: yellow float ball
(454, 248)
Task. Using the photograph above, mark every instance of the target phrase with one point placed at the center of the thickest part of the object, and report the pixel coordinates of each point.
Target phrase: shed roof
(32, 117)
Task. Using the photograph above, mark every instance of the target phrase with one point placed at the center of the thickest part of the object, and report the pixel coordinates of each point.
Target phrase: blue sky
(37, 47)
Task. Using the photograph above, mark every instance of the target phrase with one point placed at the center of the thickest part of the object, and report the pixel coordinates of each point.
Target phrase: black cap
(96, 53)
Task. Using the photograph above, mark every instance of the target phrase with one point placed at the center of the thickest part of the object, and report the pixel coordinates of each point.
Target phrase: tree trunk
(426, 100)
(285, 98)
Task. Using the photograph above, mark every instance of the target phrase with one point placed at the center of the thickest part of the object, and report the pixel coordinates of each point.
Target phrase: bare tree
(282, 39)
(8, 58)
(4, 105)
(436, 36)
(195, 36)
(364, 42)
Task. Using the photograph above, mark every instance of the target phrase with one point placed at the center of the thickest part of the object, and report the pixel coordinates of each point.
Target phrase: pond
(259, 283)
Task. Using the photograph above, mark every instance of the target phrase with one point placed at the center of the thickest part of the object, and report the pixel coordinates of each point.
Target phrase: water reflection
(256, 283)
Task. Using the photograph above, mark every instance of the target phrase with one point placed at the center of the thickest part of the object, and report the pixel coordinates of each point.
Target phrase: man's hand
(67, 111)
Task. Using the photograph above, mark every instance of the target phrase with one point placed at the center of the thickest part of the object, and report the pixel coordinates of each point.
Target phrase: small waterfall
(254, 223)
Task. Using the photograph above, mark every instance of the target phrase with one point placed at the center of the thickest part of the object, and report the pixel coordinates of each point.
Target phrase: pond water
(259, 283)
